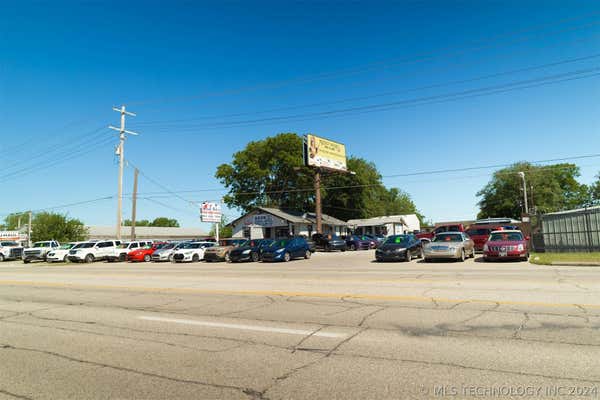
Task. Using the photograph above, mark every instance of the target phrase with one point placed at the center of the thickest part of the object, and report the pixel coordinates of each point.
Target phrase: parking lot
(335, 326)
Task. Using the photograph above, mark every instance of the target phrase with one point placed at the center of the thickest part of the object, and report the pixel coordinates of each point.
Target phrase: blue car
(286, 249)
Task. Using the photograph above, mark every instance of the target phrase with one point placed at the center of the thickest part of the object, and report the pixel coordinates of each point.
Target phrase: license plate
(503, 254)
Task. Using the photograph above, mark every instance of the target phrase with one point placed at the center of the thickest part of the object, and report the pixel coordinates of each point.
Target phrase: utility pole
(29, 231)
(120, 151)
(318, 210)
(134, 201)
(522, 175)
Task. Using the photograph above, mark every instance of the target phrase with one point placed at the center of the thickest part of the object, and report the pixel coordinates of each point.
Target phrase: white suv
(62, 253)
(191, 252)
(121, 251)
(91, 251)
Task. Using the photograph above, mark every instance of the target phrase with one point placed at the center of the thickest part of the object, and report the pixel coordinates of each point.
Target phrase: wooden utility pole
(318, 210)
(134, 202)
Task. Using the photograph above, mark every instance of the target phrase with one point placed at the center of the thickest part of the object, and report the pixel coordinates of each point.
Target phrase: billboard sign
(323, 153)
(210, 212)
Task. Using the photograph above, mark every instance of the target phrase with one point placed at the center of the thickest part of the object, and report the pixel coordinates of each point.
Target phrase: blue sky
(63, 65)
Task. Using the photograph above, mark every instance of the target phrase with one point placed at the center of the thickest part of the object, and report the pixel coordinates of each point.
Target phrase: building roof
(146, 232)
(375, 221)
(297, 217)
(577, 210)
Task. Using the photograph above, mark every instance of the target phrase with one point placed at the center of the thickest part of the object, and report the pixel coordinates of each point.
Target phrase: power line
(389, 93)
(378, 64)
(434, 99)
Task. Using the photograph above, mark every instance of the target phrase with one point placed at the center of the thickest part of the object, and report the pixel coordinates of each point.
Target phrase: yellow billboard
(323, 153)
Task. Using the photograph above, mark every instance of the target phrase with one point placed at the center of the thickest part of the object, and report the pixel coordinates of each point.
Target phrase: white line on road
(244, 327)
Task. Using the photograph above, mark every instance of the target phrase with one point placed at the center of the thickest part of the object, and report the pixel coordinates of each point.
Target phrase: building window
(246, 232)
(282, 232)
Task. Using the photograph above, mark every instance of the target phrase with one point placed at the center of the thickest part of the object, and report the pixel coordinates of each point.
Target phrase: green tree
(550, 188)
(224, 231)
(11, 222)
(595, 190)
(48, 226)
(143, 222)
(271, 172)
(165, 222)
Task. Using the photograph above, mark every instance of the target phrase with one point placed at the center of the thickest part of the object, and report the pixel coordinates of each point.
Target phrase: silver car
(450, 245)
(165, 252)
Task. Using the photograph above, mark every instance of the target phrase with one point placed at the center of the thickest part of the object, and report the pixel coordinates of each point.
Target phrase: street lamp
(522, 175)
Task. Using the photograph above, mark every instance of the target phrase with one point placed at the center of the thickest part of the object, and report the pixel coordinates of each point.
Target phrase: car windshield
(448, 238)
(160, 246)
(365, 238)
(167, 246)
(279, 243)
(41, 244)
(506, 236)
(397, 239)
(8, 243)
(86, 245)
(194, 245)
(227, 242)
(67, 246)
(478, 231)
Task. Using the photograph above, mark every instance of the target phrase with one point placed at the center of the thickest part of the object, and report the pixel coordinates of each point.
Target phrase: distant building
(386, 225)
(269, 223)
(146, 232)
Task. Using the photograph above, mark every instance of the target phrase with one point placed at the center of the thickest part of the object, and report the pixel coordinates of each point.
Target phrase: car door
(468, 244)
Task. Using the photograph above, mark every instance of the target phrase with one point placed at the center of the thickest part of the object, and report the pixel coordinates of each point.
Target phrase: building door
(268, 233)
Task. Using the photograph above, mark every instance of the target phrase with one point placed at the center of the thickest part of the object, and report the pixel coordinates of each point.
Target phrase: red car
(142, 254)
(506, 245)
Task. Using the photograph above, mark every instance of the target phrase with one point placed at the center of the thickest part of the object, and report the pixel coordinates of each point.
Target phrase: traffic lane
(367, 360)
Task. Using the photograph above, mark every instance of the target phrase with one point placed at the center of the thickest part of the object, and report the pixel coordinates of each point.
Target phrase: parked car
(39, 250)
(442, 229)
(286, 249)
(192, 251)
(221, 251)
(165, 252)
(505, 245)
(357, 242)
(250, 250)
(450, 245)
(61, 254)
(399, 248)
(120, 252)
(10, 250)
(328, 242)
(143, 253)
(479, 236)
(93, 251)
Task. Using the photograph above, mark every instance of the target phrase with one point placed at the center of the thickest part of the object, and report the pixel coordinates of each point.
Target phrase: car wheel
(353, 247)
(426, 259)
(287, 257)
(473, 253)
(328, 248)
(147, 258)
(89, 258)
(307, 254)
(1, 257)
(25, 261)
(65, 259)
(254, 257)
(462, 255)
(195, 258)
(526, 258)
(170, 258)
(122, 257)
(408, 255)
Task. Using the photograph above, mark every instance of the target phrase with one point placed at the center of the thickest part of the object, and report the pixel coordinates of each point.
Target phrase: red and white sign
(210, 212)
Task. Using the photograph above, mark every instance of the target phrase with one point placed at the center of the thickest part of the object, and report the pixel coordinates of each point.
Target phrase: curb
(576, 263)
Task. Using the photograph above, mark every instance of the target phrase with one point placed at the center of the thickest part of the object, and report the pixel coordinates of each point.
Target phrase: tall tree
(550, 188)
(47, 226)
(271, 172)
(11, 222)
(142, 222)
(165, 222)
(224, 230)
(595, 190)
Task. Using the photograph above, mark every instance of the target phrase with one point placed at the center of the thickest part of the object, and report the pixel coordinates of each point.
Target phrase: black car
(399, 248)
(329, 242)
(250, 250)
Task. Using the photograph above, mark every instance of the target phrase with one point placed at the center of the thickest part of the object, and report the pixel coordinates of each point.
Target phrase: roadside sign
(210, 212)
(323, 153)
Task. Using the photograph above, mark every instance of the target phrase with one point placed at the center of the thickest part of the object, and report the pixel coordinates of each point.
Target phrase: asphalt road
(337, 326)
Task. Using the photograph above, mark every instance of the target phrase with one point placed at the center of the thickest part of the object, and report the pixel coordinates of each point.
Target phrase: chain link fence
(568, 231)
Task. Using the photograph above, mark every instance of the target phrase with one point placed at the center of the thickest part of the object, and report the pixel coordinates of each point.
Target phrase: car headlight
(485, 247)
(520, 247)
(246, 251)
(400, 250)
(279, 250)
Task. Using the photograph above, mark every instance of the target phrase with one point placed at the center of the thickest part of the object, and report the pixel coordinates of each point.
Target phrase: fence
(569, 231)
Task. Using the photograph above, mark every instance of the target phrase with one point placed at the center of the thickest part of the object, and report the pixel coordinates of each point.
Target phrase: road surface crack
(16, 396)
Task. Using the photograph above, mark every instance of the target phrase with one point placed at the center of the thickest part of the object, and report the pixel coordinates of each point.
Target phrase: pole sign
(323, 153)
(210, 212)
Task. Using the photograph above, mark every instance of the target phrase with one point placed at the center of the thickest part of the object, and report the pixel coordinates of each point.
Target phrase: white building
(386, 225)
(270, 223)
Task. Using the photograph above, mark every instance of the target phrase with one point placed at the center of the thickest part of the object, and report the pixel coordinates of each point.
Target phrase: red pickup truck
(440, 229)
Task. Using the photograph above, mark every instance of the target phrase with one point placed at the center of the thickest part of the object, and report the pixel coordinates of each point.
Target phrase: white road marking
(244, 327)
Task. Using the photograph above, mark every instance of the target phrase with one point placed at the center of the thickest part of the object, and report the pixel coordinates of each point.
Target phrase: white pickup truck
(39, 250)
(10, 250)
